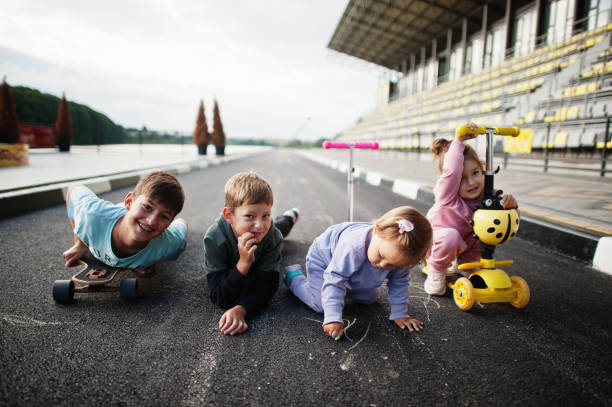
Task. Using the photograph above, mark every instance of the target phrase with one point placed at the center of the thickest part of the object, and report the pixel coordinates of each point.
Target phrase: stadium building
(543, 65)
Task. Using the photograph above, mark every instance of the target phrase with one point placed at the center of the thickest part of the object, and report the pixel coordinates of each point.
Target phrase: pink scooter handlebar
(359, 144)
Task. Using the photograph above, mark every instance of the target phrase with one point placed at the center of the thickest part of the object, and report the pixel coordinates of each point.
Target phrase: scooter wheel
(463, 293)
(522, 292)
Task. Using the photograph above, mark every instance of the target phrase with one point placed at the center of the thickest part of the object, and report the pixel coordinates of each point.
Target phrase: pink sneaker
(435, 284)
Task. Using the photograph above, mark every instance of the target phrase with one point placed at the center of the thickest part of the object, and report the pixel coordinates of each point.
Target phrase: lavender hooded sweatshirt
(337, 265)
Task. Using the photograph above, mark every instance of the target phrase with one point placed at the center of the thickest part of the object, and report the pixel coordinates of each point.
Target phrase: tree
(63, 125)
(88, 125)
(218, 136)
(9, 125)
(201, 137)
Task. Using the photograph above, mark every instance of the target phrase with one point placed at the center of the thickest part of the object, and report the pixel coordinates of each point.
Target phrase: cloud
(150, 62)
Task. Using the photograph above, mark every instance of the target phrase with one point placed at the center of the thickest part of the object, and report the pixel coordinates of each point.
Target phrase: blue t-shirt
(94, 220)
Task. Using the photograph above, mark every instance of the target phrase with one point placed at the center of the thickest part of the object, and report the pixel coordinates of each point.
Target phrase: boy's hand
(246, 249)
(471, 126)
(509, 202)
(334, 329)
(411, 323)
(146, 273)
(73, 254)
(232, 321)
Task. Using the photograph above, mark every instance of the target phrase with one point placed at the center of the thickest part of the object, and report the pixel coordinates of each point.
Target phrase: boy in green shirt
(242, 250)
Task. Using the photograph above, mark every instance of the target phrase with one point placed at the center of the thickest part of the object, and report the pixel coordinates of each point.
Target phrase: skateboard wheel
(522, 292)
(63, 290)
(128, 288)
(463, 294)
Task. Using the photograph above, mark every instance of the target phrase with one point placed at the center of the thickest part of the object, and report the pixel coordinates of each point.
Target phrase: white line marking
(200, 380)
(405, 188)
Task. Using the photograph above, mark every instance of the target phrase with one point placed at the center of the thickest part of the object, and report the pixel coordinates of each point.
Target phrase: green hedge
(89, 126)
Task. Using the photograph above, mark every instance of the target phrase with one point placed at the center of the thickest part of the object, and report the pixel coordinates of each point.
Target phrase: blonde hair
(414, 243)
(440, 146)
(164, 188)
(247, 188)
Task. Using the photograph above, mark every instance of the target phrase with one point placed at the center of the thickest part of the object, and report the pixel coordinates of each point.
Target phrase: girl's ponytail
(440, 146)
(438, 149)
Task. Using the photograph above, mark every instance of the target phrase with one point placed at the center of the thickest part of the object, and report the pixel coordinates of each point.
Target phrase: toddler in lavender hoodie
(353, 259)
(458, 192)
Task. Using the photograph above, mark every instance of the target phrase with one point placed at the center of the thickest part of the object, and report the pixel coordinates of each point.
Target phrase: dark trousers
(284, 223)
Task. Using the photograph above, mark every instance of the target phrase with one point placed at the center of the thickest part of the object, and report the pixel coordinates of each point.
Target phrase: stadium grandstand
(543, 65)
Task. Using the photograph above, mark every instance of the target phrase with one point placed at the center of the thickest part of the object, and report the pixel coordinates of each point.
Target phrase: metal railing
(590, 164)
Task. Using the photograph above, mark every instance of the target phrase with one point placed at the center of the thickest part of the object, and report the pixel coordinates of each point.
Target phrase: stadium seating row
(598, 69)
(531, 139)
(581, 90)
(487, 97)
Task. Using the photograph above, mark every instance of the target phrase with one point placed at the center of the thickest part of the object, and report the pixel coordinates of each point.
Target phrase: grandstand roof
(385, 32)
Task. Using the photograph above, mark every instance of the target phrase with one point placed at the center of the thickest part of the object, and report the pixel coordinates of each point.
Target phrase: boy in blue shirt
(137, 233)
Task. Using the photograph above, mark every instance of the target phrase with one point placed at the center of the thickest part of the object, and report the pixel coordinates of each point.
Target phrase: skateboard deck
(94, 272)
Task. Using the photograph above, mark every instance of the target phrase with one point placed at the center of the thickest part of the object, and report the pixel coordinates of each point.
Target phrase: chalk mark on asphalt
(362, 338)
(347, 325)
(426, 302)
(348, 362)
(419, 342)
(25, 321)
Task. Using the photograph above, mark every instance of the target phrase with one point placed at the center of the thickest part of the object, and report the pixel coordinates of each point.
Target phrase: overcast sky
(150, 62)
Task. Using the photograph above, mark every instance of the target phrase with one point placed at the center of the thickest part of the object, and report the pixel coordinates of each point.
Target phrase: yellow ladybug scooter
(492, 225)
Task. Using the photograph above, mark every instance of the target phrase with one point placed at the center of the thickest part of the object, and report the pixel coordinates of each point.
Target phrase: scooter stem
(489, 201)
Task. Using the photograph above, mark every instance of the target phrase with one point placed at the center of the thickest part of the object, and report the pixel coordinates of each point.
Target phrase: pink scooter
(372, 145)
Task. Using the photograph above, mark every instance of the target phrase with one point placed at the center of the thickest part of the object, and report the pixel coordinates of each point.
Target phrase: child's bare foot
(73, 254)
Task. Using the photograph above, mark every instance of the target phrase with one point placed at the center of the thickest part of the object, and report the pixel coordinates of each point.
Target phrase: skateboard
(94, 276)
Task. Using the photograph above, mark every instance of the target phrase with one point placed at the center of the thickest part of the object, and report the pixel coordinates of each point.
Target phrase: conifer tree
(9, 125)
(218, 136)
(63, 126)
(201, 137)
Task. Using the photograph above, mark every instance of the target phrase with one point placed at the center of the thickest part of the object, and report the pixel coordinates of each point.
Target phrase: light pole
(299, 129)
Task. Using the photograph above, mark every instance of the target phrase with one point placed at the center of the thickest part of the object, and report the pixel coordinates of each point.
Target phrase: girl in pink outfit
(458, 192)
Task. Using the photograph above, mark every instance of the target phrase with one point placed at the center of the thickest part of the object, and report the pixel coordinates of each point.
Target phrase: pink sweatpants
(449, 245)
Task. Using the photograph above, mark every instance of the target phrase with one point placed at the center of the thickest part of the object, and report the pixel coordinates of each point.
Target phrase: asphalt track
(165, 349)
